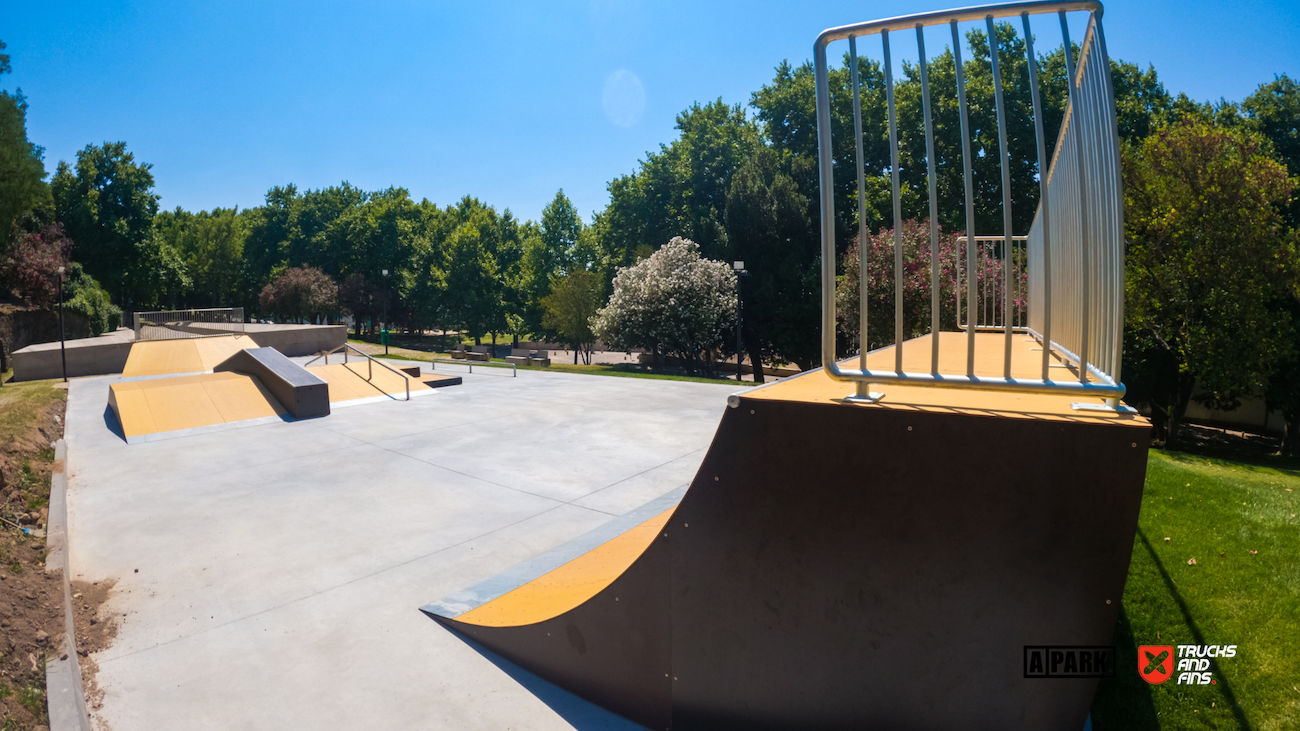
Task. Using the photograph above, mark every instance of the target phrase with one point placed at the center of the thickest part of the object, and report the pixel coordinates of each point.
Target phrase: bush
(83, 296)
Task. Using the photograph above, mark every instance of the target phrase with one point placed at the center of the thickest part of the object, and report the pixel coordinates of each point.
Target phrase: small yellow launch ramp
(183, 356)
(147, 409)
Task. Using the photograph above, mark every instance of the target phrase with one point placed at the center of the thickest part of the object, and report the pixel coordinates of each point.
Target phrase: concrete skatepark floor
(271, 575)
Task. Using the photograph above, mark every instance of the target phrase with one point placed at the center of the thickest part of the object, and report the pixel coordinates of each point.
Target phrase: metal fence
(179, 324)
(991, 281)
(1066, 279)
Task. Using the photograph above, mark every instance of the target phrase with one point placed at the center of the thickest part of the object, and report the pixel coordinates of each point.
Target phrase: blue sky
(504, 101)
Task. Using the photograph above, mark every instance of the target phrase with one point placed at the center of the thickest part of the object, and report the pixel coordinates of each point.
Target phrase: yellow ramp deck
(153, 407)
(190, 355)
(360, 380)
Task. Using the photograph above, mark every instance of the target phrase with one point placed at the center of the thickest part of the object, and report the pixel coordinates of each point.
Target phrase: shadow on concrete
(581, 714)
(111, 422)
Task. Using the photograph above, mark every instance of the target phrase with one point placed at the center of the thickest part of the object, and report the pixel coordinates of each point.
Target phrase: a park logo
(1069, 662)
(1155, 663)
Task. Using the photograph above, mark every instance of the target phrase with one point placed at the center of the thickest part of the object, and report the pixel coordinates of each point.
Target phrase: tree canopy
(1208, 262)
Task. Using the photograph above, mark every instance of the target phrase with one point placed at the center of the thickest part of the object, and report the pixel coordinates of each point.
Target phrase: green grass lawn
(1238, 521)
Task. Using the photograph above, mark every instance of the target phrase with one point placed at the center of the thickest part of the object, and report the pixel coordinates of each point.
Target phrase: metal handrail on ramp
(370, 364)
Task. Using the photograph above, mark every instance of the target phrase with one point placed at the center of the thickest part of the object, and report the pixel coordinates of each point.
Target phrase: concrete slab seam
(66, 697)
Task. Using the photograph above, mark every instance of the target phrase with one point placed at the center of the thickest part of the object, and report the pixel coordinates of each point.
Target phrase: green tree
(569, 308)
(768, 228)
(107, 207)
(1275, 109)
(1206, 266)
(22, 169)
(550, 252)
(483, 253)
(270, 227)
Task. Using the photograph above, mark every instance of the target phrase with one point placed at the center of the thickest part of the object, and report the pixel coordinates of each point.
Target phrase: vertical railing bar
(1070, 118)
(1005, 158)
(862, 388)
(1085, 225)
(1046, 276)
(826, 187)
(970, 201)
(898, 207)
(934, 203)
(1117, 265)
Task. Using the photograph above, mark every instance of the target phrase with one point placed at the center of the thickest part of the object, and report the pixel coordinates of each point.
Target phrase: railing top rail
(939, 17)
(190, 309)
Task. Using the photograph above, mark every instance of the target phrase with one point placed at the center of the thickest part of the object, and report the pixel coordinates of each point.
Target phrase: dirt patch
(31, 599)
(96, 630)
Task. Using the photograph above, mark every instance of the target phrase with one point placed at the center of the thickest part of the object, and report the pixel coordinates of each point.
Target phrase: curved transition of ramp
(850, 566)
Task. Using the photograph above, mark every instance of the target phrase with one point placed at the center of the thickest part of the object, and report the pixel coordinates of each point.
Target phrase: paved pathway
(271, 575)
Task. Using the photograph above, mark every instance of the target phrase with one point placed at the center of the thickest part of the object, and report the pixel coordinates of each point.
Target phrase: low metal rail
(1074, 251)
(370, 365)
(514, 369)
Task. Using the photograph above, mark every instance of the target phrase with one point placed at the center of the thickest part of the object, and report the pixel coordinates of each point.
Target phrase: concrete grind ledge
(64, 691)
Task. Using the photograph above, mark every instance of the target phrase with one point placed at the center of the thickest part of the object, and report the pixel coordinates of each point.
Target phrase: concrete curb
(66, 696)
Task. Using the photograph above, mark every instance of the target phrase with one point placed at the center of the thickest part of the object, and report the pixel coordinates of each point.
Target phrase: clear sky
(504, 101)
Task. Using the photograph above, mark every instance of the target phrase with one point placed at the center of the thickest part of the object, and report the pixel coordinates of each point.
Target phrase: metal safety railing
(994, 273)
(1071, 262)
(180, 324)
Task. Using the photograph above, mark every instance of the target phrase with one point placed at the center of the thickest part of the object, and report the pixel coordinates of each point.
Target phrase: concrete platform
(281, 566)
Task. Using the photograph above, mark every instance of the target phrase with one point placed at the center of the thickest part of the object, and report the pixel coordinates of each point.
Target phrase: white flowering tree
(672, 302)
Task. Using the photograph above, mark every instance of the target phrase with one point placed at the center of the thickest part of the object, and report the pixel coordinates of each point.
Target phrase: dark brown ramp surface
(853, 566)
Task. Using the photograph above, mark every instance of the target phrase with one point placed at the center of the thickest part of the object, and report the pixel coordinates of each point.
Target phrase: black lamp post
(741, 273)
(383, 330)
(63, 353)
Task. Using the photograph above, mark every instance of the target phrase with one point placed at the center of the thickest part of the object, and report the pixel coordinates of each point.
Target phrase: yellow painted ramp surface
(190, 355)
(1026, 362)
(187, 402)
(555, 593)
(358, 380)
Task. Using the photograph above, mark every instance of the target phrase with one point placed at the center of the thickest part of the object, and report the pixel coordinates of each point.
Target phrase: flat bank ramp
(837, 565)
(362, 382)
(185, 356)
(153, 408)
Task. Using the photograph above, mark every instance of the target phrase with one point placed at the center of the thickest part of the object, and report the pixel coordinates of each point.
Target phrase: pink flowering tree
(32, 264)
(300, 293)
(989, 276)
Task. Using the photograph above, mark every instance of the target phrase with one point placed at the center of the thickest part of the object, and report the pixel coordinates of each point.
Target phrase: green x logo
(1155, 662)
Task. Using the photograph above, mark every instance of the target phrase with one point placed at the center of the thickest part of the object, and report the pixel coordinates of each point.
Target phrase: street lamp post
(383, 330)
(63, 353)
(741, 273)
